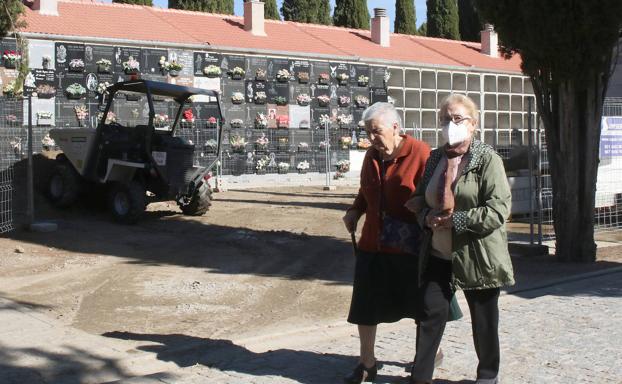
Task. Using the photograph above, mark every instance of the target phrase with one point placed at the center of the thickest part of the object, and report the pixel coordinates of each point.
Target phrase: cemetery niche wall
(276, 108)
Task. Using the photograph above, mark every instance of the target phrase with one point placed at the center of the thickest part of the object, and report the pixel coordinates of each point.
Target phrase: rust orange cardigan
(401, 178)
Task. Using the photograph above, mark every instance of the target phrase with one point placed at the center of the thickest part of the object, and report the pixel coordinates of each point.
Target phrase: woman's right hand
(350, 219)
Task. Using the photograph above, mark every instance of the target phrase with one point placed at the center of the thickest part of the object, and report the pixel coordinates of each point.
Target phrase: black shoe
(362, 374)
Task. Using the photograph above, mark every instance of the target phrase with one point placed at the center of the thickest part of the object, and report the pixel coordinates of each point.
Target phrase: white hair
(384, 112)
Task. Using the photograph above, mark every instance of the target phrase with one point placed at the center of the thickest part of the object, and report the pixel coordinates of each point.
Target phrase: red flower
(188, 115)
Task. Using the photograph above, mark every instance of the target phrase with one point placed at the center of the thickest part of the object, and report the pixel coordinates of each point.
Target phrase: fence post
(530, 165)
(327, 187)
(539, 180)
(30, 204)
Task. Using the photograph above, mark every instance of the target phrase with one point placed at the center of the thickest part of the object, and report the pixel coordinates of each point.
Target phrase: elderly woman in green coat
(464, 200)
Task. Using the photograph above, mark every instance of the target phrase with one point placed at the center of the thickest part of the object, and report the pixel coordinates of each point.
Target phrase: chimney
(490, 41)
(45, 7)
(380, 27)
(254, 17)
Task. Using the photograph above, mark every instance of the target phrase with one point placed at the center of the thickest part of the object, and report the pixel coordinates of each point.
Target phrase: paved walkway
(566, 333)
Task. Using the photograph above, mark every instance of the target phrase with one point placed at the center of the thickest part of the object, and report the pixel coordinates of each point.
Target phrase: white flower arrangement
(76, 64)
(361, 101)
(324, 119)
(102, 88)
(344, 119)
(131, 65)
(303, 165)
(44, 115)
(303, 99)
(212, 70)
(262, 163)
(283, 166)
(237, 97)
(283, 75)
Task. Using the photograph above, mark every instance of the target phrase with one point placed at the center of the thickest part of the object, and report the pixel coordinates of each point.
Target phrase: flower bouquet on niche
(323, 78)
(345, 142)
(261, 121)
(283, 143)
(161, 120)
(260, 97)
(131, 66)
(283, 167)
(363, 143)
(261, 165)
(75, 91)
(283, 75)
(82, 114)
(11, 58)
(236, 123)
(323, 100)
(303, 99)
(210, 146)
(187, 118)
(361, 101)
(303, 167)
(303, 146)
(261, 144)
(238, 143)
(212, 71)
(363, 80)
(237, 73)
(260, 74)
(343, 167)
(344, 101)
(237, 98)
(344, 120)
(103, 65)
(343, 78)
(279, 100)
(76, 65)
(211, 122)
(303, 77)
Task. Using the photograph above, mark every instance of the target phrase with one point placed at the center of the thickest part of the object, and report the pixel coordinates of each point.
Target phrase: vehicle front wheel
(64, 185)
(127, 201)
(199, 203)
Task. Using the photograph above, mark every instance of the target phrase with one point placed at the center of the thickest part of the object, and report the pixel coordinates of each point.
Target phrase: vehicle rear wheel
(127, 201)
(199, 203)
(64, 185)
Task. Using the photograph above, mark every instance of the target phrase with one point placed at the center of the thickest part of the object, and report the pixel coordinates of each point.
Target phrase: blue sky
(371, 4)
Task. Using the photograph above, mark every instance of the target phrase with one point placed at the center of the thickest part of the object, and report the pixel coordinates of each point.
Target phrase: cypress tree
(295, 10)
(307, 11)
(470, 22)
(212, 6)
(137, 2)
(405, 18)
(323, 13)
(423, 29)
(270, 10)
(443, 19)
(351, 13)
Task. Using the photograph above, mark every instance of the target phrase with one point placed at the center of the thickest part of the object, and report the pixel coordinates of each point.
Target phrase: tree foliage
(423, 29)
(224, 7)
(567, 50)
(470, 22)
(307, 11)
(405, 17)
(351, 13)
(271, 11)
(136, 2)
(442, 19)
(10, 12)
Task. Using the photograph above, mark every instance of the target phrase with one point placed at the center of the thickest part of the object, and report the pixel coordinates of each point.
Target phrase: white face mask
(455, 133)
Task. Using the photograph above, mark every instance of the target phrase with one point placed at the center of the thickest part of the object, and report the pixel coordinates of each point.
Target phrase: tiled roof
(86, 18)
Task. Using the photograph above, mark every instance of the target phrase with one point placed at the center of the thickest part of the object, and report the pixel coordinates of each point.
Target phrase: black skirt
(385, 288)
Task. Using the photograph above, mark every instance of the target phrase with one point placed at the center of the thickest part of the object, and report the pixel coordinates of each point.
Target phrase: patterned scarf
(446, 198)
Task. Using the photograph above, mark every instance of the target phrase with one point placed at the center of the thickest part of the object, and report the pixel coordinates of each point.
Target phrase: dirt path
(260, 261)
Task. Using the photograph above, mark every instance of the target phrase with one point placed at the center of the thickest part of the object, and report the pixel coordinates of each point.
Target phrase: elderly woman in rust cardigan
(385, 287)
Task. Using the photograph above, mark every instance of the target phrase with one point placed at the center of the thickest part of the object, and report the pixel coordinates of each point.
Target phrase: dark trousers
(484, 308)
(434, 298)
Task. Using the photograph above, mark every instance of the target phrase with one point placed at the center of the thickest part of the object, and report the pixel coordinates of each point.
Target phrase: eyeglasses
(457, 119)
